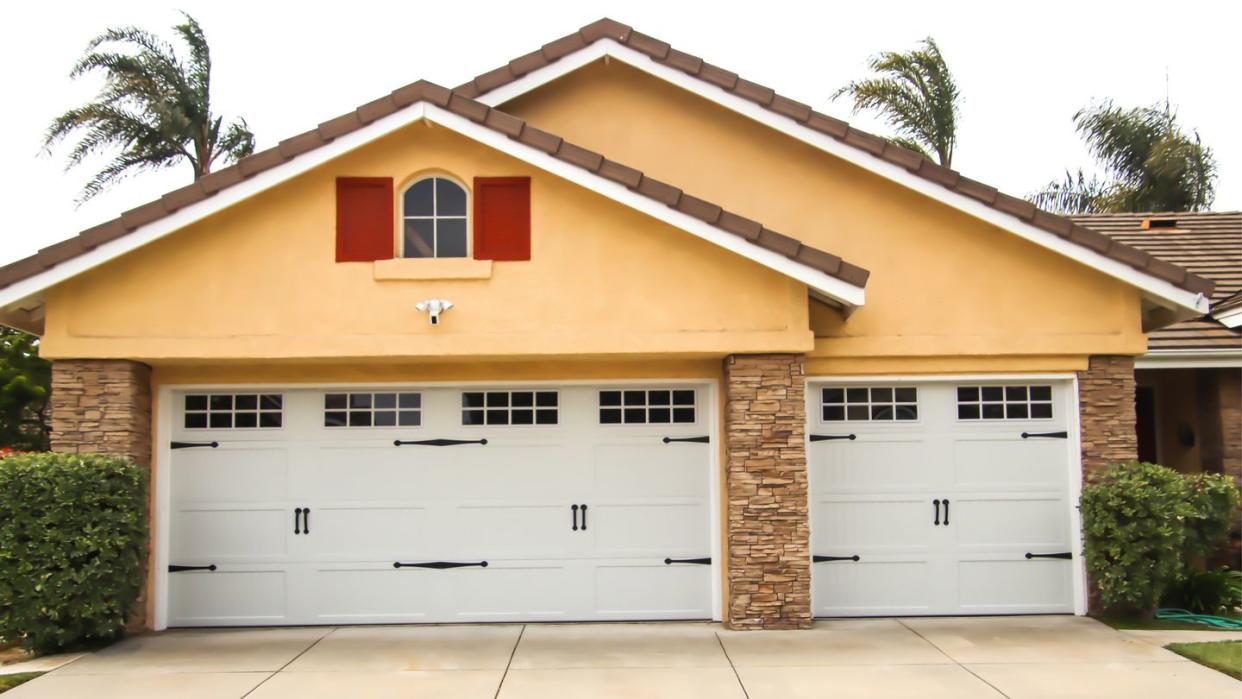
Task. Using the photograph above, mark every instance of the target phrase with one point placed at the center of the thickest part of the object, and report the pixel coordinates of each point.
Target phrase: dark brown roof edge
(464, 106)
(884, 149)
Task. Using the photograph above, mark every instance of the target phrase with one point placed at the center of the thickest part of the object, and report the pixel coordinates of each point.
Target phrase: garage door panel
(373, 593)
(1010, 522)
(231, 473)
(649, 470)
(514, 531)
(1015, 585)
(218, 534)
(872, 525)
(874, 587)
(229, 595)
(361, 472)
(365, 531)
(649, 529)
(501, 470)
(867, 466)
(651, 590)
(1010, 462)
(544, 590)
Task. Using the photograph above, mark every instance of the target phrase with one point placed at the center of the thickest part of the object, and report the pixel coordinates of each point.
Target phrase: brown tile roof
(912, 162)
(462, 105)
(1208, 244)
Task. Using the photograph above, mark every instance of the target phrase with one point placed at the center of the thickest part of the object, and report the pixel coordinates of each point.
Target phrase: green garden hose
(1219, 622)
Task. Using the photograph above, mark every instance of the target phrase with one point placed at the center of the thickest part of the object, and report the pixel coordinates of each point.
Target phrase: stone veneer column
(769, 529)
(1106, 407)
(103, 406)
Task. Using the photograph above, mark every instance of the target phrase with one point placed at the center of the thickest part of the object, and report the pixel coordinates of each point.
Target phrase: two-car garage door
(940, 497)
(328, 506)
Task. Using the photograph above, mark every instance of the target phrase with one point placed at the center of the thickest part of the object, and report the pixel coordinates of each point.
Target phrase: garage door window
(227, 411)
(879, 403)
(1004, 402)
(372, 410)
(510, 408)
(646, 406)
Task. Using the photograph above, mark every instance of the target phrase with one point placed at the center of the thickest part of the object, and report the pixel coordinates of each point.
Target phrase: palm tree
(155, 107)
(917, 96)
(1152, 165)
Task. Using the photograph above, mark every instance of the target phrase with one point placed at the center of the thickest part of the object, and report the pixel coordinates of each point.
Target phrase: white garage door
(940, 497)
(440, 504)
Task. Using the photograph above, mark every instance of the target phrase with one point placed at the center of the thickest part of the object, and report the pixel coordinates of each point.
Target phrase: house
(606, 333)
(1189, 399)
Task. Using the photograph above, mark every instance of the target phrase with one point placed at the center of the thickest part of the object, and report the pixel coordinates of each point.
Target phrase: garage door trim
(165, 410)
(1075, 445)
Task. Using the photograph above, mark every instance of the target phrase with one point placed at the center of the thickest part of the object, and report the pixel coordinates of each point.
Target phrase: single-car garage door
(945, 497)
(436, 504)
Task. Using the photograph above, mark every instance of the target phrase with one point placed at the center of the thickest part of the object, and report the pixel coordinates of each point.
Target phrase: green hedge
(73, 548)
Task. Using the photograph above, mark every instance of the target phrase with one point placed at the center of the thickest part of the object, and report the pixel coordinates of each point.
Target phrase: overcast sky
(1023, 68)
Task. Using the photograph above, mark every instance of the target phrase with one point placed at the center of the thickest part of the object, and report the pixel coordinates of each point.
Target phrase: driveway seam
(512, 653)
(291, 660)
(955, 661)
(731, 665)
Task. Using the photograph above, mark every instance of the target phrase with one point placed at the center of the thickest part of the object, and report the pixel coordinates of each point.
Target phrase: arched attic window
(434, 219)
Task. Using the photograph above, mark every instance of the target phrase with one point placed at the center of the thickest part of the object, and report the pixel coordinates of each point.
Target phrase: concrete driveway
(923, 658)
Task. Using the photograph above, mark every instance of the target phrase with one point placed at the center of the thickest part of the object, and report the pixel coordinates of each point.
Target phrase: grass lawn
(1225, 656)
(1133, 624)
(8, 682)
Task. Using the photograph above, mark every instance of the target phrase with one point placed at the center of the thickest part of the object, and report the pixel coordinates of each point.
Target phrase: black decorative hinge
(437, 442)
(695, 561)
(823, 559)
(1066, 555)
(178, 569)
(829, 437)
(192, 445)
(439, 565)
(697, 440)
(1049, 435)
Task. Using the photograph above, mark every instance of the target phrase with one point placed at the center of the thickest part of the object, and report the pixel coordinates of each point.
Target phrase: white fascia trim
(1190, 359)
(847, 294)
(1231, 318)
(1160, 291)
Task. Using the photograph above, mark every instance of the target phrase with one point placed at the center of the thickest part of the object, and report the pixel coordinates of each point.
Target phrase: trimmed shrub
(1134, 526)
(1213, 500)
(73, 547)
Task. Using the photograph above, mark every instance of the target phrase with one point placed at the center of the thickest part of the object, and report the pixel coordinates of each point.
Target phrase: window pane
(497, 400)
(968, 412)
(1016, 411)
(385, 400)
(658, 415)
(968, 393)
(411, 400)
(196, 402)
(683, 397)
(334, 419)
(907, 412)
(334, 401)
(523, 399)
(419, 238)
(246, 420)
(635, 415)
(857, 412)
(833, 413)
(993, 411)
(856, 395)
(472, 400)
(359, 400)
(834, 395)
(635, 397)
(450, 199)
(545, 417)
(451, 237)
(610, 398)
(906, 395)
(498, 417)
(221, 420)
(881, 412)
(385, 418)
(881, 395)
(271, 401)
(196, 420)
(248, 402)
(1041, 392)
(1015, 393)
(1041, 411)
(683, 414)
(993, 393)
(608, 416)
(523, 417)
(222, 402)
(409, 418)
(360, 419)
(546, 399)
(418, 199)
(471, 417)
(658, 397)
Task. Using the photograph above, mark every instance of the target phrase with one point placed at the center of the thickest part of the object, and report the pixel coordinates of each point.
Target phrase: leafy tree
(1151, 164)
(916, 94)
(25, 382)
(155, 107)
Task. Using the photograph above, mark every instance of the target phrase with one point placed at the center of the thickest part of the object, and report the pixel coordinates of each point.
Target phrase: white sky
(1023, 69)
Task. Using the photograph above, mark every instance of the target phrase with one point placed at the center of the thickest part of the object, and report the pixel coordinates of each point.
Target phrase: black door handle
(297, 516)
(575, 509)
(437, 442)
(828, 437)
(936, 504)
(1064, 554)
(946, 512)
(695, 561)
(1049, 435)
(822, 559)
(191, 445)
(178, 569)
(584, 518)
(439, 565)
(696, 440)
(306, 520)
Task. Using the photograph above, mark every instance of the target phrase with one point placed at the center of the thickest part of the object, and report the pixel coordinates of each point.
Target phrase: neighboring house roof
(539, 67)
(676, 207)
(1208, 244)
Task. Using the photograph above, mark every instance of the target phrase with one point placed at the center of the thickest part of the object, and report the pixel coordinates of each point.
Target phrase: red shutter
(364, 219)
(502, 218)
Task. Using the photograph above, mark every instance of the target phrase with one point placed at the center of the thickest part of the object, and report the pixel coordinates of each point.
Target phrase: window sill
(418, 269)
